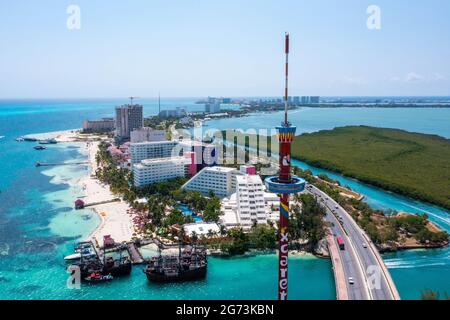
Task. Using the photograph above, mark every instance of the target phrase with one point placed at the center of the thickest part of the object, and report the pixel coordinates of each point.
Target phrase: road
(360, 257)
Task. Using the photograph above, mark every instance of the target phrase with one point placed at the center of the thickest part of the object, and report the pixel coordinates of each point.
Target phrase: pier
(135, 255)
(80, 204)
(42, 164)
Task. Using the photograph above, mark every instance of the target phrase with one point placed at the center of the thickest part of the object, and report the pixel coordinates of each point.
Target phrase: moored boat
(191, 264)
(97, 277)
(71, 257)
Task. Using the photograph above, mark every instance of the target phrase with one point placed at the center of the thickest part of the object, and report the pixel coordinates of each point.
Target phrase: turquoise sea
(38, 225)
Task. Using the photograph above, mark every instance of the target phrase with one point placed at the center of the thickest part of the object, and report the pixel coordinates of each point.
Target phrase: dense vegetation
(307, 221)
(412, 164)
(388, 230)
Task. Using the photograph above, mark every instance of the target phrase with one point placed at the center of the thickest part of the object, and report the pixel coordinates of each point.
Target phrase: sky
(198, 48)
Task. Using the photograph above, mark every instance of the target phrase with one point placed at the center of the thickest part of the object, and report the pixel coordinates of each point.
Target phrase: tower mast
(284, 184)
(286, 94)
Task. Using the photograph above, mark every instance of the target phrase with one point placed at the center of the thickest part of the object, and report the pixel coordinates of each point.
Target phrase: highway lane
(364, 251)
(357, 290)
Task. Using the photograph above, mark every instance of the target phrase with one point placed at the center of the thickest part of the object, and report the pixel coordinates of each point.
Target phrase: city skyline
(223, 49)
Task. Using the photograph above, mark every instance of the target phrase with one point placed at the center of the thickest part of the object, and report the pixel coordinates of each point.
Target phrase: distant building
(296, 100)
(151, 150)
(150, 171)
(103, 125)
(176, 113)
(220, 180)
(128, 118)
(186, 121)
(314, 100)
(212, 105)
(147, 134)
(305, 100)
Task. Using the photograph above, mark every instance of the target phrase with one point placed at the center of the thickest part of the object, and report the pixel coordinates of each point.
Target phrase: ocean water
(423, 120)
(38, 225)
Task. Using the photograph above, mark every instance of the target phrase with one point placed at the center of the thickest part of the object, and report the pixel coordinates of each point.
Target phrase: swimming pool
(184, 208)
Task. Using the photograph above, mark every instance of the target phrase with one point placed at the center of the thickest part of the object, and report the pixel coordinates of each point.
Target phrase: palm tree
(194, 237)
(223, 231)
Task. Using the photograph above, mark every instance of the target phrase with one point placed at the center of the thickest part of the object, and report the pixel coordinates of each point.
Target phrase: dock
(79, 204)
(42, 164)
(136, 256)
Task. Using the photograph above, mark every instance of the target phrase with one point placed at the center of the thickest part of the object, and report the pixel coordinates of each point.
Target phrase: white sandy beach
(116, 222)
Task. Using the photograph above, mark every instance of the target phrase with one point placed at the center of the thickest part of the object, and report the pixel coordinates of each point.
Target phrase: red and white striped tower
(284, 184)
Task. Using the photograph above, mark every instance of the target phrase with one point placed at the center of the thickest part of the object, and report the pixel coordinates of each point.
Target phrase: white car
(364, 245)
(351, 280)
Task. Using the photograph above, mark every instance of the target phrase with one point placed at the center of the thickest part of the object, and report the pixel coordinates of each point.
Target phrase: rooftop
(153, 142)
(200, 228)
(254, 179)
(220, 169)
(148, 162)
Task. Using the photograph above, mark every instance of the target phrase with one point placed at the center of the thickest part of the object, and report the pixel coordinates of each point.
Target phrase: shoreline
(114, 217)
(372, 183)
(115, 220)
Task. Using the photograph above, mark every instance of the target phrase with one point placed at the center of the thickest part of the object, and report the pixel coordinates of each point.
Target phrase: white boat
(75, 256)
(1, 137)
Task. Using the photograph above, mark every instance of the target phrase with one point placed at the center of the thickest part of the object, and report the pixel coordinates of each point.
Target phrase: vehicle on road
(351, 280)
(340, 242)
(364, 245)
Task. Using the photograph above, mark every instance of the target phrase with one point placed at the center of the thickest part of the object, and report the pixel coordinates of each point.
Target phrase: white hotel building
(250, 200)
(220, 180)
(146, 134)
(151, 150)
(154, 170)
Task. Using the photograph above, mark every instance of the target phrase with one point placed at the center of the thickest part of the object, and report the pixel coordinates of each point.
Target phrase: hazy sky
(193, 48)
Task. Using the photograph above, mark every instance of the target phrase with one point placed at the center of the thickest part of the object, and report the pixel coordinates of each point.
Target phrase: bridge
(359, 261)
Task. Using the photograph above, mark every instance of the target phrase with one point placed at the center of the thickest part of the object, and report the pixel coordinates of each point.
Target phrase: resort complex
(155, 188)
(198, 152)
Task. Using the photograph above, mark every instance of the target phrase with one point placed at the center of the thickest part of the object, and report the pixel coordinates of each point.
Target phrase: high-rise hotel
(128, 118)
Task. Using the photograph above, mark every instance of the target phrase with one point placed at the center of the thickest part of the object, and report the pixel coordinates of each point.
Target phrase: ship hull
(122, 270)
(188, 275)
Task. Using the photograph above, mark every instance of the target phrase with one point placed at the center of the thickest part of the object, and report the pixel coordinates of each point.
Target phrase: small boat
(39, 148)
(75, 256)
(1, 137)
(20, 139)
(82, 250)
(98, 277)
